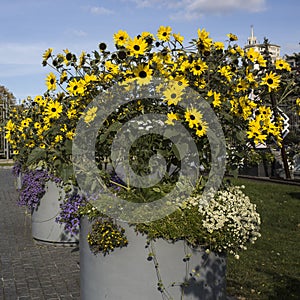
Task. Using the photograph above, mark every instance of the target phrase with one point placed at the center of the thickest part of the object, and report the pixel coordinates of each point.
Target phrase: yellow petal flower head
(76, 87)
(193, 117)
(264, 112)
(232, 37)
(51, 82)
(201, 129)
(272, 80)
(143, 74)
(204, 42)
(82, 57)
(164, 33)
(179, 38)
(198, 67)
(281, 64)
(219, 45)
(25, 123)
(40, 100)
(226, 72)
(53, 109)
(217, 99)
(137, 46)
(111, 67)
(37, 125)
(172, 95)
(63, 77)
(90, 115)
(58, 138)
(10, 125)
(171, 118)
(252, 55)
(70, 135)
(254, 132)
(121, 38)
(47, 54)
(261, 61)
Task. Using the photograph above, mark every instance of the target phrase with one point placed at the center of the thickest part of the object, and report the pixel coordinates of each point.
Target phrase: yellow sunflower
(47, 53)
(137, 46)
(198, 67)
(143, 74)
(121, 38)
(193, 117)
(204, 42)
(179, 38)
(76, 87)
(232, 37)
(164, 33)
(51, 81)
(201, 129)
(272, 80)
(172, 95)
(90, 115)
(281, 64)
(254, 132)
(53, 109)
(171, 118)
(252, 54)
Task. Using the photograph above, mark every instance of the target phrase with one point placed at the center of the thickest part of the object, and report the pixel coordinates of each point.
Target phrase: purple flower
(33, 187)
(69, 212)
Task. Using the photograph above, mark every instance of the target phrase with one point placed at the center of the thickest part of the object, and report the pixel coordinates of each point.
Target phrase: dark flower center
(270, 81)
(198, 68)
(75, 87)
(52, 81)
(102, 46)
(173, 95)
(136, 47)
(122, 54)
(142, 74)
(164, 34)
(192, 117)
(69, 56)
(53, 109)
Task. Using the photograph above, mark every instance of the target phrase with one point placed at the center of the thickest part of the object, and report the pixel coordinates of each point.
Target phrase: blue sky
(29, 27)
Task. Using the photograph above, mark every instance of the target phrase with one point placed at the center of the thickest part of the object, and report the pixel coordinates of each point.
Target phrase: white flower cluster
(230, 220)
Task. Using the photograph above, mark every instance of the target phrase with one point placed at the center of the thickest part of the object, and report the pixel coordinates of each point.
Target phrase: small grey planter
(44, 227)
(18, 182)
(127, 274)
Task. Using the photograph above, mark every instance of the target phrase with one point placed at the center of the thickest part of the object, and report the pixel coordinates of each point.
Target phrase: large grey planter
(44, 227)
(126, 274)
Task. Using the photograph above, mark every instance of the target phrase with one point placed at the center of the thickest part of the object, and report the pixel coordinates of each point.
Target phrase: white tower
(252, 40)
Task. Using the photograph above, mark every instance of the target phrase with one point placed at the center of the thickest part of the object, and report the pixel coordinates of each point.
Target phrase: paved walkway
(29, 270)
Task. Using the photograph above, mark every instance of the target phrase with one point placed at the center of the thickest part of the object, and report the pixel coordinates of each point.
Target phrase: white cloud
(191, 9)
(17, 53)
(99, 10)
(79, 33)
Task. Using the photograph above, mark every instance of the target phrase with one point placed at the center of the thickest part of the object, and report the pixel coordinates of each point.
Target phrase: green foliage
(270, 268)
(106, 236)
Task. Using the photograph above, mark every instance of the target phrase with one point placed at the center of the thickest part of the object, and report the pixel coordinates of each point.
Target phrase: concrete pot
(44, 227)
(127, 274)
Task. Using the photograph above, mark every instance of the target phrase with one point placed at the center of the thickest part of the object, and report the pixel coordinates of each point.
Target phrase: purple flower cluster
(69, 212)
(33, 188)
(16, 170)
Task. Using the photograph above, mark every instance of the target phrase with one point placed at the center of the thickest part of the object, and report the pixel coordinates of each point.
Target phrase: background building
(252, 42)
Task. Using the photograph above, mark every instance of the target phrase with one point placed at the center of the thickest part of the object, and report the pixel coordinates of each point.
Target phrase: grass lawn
(270, 269)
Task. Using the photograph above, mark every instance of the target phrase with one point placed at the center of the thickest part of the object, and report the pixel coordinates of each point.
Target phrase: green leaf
(35, 155)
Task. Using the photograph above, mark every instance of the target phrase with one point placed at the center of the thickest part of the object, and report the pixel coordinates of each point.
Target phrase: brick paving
(29, 270)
